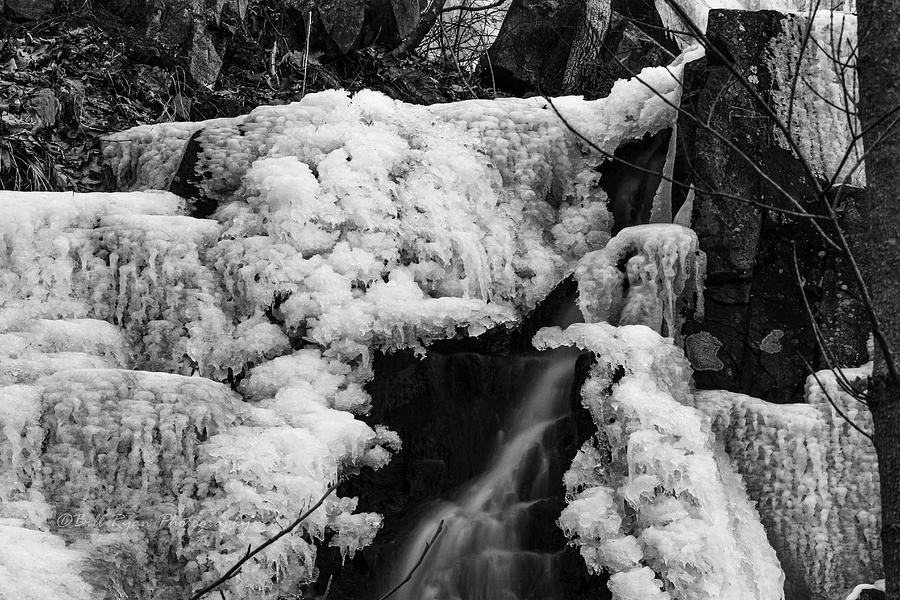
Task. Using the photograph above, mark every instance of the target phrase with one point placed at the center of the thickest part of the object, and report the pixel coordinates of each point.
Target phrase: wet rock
(629, 184)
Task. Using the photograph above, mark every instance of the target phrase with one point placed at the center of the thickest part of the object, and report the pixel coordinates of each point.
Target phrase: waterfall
(485, 550)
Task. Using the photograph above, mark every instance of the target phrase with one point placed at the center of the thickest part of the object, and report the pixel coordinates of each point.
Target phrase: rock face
(756, 336)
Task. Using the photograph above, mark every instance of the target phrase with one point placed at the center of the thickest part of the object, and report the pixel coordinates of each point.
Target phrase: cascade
(484, 551)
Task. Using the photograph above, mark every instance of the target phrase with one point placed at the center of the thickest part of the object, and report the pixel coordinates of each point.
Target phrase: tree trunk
(587, 46)
(879, 92)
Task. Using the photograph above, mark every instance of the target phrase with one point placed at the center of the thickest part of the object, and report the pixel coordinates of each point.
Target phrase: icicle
(662, 200)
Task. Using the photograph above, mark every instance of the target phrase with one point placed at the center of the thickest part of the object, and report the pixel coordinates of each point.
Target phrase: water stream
(487, 549)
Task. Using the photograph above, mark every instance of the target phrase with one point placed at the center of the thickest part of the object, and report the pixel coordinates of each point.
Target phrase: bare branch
(234, 570)
(456, 63)
(427, 19)
(831, 401)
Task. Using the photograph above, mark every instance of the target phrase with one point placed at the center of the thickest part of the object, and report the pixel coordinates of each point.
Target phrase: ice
(664, 271)
(654, 483)
(20, 444)
(127, 442)
(188, 386)
(813, 476)
(823, 119)
(639, 583)
(90, 336)
(698, 12)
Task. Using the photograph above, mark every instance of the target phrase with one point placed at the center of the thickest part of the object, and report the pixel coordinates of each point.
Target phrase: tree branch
(234, 570)
(464, 8)
(428, 546)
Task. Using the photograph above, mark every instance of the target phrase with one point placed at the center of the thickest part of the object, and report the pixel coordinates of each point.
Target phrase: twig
(306, 52)
(272, 55)
(251, 553)
(456, 63)
(428, 546)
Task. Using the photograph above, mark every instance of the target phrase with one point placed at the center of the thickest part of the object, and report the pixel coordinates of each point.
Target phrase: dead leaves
(61, 91)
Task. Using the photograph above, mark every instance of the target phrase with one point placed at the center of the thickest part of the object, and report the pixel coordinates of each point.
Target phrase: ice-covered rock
(822, 115)
(646, 275)
(653, 498)
(813, 476)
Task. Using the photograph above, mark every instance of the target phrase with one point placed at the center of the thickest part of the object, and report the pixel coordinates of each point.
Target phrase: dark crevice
(631, 189)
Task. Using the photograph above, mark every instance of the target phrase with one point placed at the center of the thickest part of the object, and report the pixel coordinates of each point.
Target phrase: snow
(35, 565)
(878, 585)
(653, 482)
(814, 479)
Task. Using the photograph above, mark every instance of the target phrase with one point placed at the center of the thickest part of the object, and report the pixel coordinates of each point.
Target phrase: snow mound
(813, 476)
(652, 497)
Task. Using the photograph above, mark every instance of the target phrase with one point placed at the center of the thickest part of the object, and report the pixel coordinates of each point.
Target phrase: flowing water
(486, 549)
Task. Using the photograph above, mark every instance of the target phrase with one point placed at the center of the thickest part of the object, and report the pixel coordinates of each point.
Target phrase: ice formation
(813, 476)
(653, 497)
(646, 275)
(822, 117)
(183, 387)
(698, 12)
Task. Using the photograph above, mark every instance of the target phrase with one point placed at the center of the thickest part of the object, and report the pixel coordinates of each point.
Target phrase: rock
(576, 46)
(631, 188)
(752, 290)
(533, 45)
(30, 9)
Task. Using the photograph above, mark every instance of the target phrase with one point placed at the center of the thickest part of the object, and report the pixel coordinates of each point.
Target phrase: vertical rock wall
(757, 333)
